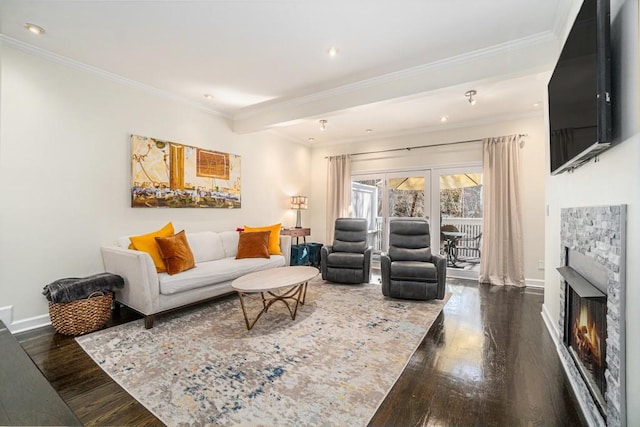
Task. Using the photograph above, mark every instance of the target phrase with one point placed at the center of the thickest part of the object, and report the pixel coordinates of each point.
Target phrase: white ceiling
(402, 64)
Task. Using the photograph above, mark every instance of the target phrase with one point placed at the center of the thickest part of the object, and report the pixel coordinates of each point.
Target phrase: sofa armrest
(367, 264)
(285, 248)
(385, 274)
(324, 253)
(441, 271)
(141, 287)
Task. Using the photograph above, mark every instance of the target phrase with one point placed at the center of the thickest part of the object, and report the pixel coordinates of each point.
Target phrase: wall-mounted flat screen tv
(579, 91)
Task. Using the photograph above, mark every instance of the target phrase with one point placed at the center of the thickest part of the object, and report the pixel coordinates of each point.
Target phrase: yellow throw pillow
(176, 253)
(253, 245)
(147, 243)
(274, 237)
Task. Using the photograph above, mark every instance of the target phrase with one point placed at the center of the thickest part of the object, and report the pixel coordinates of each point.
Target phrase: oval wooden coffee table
(267, 282)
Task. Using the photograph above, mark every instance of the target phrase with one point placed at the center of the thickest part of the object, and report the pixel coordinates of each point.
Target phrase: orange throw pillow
(274, 236)
(176, 253)
(253, 245)
(147, 243)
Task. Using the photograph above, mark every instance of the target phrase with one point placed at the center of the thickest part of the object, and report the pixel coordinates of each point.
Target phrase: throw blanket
(75, 288)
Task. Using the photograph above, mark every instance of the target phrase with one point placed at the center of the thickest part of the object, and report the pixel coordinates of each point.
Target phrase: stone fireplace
(592, 310)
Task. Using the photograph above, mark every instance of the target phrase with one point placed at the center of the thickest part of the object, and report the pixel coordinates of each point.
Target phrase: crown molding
(434, 128)
(288, 138)
(525, 42)
(561, 24)
(77, 65)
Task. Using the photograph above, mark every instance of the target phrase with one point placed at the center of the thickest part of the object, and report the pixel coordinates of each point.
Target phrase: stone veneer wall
(599, 233)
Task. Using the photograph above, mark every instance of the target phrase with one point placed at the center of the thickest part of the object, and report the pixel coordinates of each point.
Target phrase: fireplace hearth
(592, 310)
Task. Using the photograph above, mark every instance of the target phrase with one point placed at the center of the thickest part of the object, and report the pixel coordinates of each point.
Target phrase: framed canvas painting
(167, 174)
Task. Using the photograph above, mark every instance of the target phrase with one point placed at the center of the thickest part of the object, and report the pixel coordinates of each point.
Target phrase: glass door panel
(378, 197)
(366, 202)
(460, 216)
(406, 197)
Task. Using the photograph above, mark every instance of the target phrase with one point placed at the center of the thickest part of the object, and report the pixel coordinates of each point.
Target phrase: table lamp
(298, 202)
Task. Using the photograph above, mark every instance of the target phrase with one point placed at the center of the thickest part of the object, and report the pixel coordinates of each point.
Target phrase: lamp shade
(299, 202)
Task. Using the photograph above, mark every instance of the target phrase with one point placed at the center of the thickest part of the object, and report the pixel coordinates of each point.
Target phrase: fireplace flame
(586, 337)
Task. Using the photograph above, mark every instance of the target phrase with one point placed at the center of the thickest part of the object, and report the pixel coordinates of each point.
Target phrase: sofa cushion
(212, 272)
(345, 260)
(206, 246)
(147, 243)
(352, 247)
(274, 236)
(253, 245)
(176, 253)
(229, 242)
(413, 271)
(407, 254)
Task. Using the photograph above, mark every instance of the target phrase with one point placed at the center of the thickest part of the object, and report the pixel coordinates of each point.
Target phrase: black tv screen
(579, 91)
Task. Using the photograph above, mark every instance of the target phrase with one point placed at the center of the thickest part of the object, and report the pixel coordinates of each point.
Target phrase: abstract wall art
(168, 174)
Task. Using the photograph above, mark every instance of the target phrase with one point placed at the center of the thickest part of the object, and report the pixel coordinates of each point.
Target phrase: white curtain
(338, 191)
(502, 260)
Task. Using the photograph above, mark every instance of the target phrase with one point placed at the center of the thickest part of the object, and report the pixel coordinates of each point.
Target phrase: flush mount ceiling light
(35, 29)
(470, 94)
(323, 125)
(332, 51)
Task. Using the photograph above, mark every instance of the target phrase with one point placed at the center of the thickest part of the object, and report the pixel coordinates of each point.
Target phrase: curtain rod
(523, 135)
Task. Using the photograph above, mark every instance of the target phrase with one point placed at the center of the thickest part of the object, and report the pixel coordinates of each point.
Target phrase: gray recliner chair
(410, 270)
(348, 260)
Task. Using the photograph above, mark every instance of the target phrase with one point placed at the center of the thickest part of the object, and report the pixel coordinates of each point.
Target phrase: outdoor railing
(471, 227)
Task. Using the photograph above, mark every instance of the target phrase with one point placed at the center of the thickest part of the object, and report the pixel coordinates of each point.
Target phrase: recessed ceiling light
(208, 96)
(444, 118)
(332, 51)
(35, 29)
(368, 130)
(537, 104)
(311, 139)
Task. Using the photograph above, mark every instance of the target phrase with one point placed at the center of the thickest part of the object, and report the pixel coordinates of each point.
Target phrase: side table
(297, 233)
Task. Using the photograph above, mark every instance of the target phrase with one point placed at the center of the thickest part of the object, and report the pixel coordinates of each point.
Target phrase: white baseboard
(551, 326)
(6, 315)
(459, 273)
(534, 283)
(29, 324)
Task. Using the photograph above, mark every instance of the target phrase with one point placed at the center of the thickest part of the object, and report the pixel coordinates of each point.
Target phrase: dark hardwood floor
(487, 361)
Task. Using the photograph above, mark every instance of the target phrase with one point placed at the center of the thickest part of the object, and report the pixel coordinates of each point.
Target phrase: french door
(382, 196)
(450, 198)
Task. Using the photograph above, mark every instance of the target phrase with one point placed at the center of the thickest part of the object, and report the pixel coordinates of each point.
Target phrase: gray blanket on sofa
(75, 288)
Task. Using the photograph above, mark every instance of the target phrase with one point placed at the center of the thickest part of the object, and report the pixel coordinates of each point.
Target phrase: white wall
(65, 169)
(532, 164)
(613, 180)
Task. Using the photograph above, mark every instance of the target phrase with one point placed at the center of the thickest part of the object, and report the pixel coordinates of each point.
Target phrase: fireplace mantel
(583, 287)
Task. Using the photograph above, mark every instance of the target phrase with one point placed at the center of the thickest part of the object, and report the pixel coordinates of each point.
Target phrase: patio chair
(470, 244)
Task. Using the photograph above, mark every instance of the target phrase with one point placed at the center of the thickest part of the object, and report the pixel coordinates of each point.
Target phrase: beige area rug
(332, 365)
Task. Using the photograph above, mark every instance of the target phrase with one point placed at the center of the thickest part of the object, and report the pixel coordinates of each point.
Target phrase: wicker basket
(81, 316)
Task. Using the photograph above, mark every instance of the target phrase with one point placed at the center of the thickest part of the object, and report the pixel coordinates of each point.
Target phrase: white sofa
(150, 293)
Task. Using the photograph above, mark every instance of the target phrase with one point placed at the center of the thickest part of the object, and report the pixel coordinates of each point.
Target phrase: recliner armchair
(348, 260)
(409, 270)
